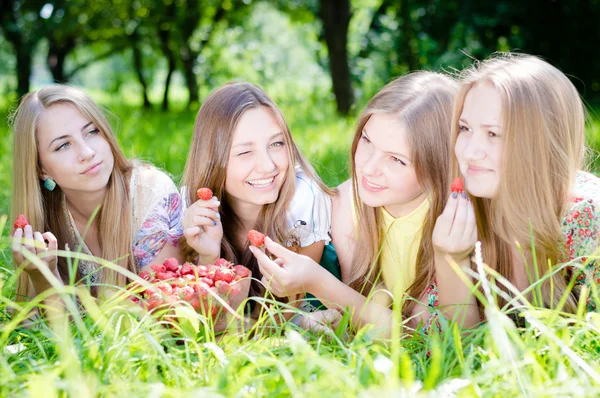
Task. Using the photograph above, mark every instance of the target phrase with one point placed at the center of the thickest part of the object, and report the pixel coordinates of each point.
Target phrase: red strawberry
(171, 274)
(457, 185)
(195, 303)
(256, 238)
(165, 288)
(235, 289)
(187, 269)
(223, 263)
(204, 193)
(158, 268)
(222, 287)
(241, 271)
(225, 275)
(208, 281)
(145, 275)
(154, 302)
(21, 221)
(202, 270)
(163, 276)
(171, 264)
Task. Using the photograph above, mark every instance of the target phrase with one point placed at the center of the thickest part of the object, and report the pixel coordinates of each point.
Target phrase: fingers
(52, 241)
(16, 243)
(38, 243)
(266, 265)
(28, 238)
(279, 251)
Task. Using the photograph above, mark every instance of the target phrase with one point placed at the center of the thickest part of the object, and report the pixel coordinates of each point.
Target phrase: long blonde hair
(44, 208)
(207, 167)
(422, 101)
(543, 121)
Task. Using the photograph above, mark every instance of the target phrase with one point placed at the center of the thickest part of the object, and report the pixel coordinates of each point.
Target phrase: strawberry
(256, 238)
(224, 274)
(204, 193)
(154, 302)
(21, 221)
(145, 275)
(223, 263)
(241, 271)
(195, 303)
(202, 270)
(163, 276)
(457, 185)
(208, 281)
(165, 288)
(222, 287)
(187, 269)
(158, 268)
(171, 274)
(171, 264)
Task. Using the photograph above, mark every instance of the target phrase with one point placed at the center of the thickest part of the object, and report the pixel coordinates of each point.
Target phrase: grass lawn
(116, 351)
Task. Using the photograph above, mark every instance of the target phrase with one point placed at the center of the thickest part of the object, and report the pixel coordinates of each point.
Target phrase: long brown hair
(44, 208)
(207, 167)
(544, 146)
(423, 102)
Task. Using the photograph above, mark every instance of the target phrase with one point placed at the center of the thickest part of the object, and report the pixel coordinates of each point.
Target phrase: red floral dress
(580, 228)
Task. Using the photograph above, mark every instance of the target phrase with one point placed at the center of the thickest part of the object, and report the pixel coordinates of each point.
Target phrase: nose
(265, 163)
(85, 152)
(371, 166)
(475, 148)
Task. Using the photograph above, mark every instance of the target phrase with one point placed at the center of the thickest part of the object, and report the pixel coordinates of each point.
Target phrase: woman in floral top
(518, 135)
(69, 170)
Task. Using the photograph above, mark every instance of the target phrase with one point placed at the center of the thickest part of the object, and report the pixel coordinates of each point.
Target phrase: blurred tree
(21, 25)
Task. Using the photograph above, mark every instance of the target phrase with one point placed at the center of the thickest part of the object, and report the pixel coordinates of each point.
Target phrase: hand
(324, 321)
(34, 242)
(290, 274)
(203, 230)
(455, 231)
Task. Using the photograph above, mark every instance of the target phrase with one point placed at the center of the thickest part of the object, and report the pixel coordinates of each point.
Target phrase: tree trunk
(335, 15)
(406, 47)
(57, 53)
(137, 63)
(23, 69)
(188, 61)
(165, 103)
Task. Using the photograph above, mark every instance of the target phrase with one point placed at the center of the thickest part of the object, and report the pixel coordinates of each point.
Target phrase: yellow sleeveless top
(400, 246)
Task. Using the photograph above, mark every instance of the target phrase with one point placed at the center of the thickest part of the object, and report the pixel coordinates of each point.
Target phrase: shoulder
(151, 178)
(343, 201)
(581, 222)
(308, 196)
(342, 227)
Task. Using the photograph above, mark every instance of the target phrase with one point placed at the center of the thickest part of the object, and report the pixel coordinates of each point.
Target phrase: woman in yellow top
(383, 217)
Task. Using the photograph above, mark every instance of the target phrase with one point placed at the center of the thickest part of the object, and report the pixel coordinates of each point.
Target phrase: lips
(477, 170)
(261, 183)
(91, 168)
(371, 187)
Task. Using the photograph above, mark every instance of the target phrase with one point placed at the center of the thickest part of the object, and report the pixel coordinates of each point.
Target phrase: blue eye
(63, 146)
(397, 160)
(277, 144)
(93, 132)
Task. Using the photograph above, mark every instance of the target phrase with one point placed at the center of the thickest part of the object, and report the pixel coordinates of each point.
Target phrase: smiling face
(72, 150)
(384, 170)
(258, 160)
(479, 144)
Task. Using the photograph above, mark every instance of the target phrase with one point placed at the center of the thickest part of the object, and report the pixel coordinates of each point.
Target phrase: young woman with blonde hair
(243, 151)
(384, 215)
(67, 164)
(518, 136)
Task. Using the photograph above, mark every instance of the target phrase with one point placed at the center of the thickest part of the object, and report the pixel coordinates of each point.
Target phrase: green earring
(49, 184)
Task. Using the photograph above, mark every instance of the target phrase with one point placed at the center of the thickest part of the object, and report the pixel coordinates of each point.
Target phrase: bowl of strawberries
(213, 290)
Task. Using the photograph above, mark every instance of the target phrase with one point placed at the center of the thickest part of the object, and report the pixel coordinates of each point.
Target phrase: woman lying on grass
(518, 137)
(243, 151)
(67, 165)
(384, 216)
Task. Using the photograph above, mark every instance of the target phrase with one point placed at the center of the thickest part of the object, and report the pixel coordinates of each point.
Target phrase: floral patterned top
(156, 211)
(580, 227)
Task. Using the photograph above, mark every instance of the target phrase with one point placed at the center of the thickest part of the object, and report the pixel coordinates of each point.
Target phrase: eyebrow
(67, 135)
(482, 125)
(252, 143)
(388, 152)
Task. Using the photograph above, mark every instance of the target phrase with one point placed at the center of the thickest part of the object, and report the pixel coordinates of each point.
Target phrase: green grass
(114, 350)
